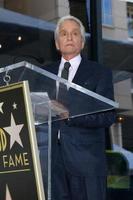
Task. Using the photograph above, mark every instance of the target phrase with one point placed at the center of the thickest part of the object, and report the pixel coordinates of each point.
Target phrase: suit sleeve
(101, 119)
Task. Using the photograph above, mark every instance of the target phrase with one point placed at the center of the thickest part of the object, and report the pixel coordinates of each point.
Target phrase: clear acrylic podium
(47, 109)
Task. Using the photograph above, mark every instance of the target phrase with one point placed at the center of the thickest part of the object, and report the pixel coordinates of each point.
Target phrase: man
(79, 165)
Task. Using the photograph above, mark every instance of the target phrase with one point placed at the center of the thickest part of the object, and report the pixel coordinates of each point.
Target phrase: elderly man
(79, 164)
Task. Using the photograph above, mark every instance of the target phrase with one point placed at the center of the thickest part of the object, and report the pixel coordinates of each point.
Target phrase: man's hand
(61, 110)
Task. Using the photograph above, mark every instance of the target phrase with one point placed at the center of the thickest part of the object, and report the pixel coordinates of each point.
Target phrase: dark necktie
(62, 93)
(65, 70)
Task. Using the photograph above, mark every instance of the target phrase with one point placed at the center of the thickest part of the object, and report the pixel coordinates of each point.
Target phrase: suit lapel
(53, 68)
(83, 73)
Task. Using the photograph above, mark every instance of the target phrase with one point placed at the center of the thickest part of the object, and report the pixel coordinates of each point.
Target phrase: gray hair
(70, 17)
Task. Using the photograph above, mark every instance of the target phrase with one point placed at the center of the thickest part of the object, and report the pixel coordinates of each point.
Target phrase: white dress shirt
(75, 62)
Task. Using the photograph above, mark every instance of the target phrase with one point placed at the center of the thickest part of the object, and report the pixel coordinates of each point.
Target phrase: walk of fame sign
(20, 174)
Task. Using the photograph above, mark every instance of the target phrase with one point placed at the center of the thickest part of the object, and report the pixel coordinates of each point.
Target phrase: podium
(48, 109)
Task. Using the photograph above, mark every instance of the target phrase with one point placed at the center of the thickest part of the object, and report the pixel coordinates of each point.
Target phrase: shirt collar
(74, 61)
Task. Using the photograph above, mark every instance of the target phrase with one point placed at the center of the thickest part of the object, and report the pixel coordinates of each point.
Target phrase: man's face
(69, 41)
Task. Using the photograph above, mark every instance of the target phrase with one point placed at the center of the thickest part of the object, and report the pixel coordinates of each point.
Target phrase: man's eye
(75, 33)
(63, 34)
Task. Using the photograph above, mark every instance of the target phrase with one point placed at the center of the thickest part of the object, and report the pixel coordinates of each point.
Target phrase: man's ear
(57, 46)
(83, 44)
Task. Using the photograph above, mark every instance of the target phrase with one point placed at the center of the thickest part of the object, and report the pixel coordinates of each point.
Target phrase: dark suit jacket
(83, 138)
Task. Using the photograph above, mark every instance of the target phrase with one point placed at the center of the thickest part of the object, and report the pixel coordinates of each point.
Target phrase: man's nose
(69, 36)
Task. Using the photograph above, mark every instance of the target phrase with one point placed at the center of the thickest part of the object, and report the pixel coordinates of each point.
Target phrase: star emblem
(8, 195)
(14, 131)
(14, 106)
(1, 104)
